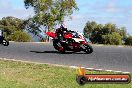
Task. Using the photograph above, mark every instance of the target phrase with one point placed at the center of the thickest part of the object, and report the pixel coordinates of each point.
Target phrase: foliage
(112, 39)
(99, 33)
(128, 41)
(20, 36)
(14, 29)
(49, 13)
(54, 9)
(31, 26)
(11, 24)
(89, 28)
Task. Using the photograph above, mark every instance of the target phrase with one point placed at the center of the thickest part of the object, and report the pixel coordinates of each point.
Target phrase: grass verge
(14, 74)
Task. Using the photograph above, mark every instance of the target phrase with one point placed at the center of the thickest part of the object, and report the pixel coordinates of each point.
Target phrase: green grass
(28, 75)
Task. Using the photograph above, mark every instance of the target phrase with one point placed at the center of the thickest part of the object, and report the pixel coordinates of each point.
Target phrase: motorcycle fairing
(78, 39)
(51, 34)
(67, 36)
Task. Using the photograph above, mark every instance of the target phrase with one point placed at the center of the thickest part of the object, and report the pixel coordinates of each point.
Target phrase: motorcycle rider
(60, 32)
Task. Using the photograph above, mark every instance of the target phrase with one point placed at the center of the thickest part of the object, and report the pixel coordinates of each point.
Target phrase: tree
(128, 41)
(109, 28)
(96, 36)
(32, 26)
(123, 32)
(48, 13)
(112, 39)
(93, 31)
(20, 36)
(99, 33)
(89, 28)
(11, 26)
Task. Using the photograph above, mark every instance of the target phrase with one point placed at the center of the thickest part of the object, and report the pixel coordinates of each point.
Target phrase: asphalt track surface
(103, 57)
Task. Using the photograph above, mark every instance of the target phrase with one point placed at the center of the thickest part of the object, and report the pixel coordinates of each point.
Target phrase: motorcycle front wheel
(88, 48)
(5, 42)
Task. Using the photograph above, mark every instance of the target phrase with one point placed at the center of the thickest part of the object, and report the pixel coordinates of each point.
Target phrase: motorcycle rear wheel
(88, 48)
(57, 45)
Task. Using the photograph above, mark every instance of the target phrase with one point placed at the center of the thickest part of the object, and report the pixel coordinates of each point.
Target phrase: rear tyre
(88, 48)
(5, 42)
(57, 45)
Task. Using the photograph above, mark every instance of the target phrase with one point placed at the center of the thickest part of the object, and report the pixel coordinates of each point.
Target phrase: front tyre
(88, 48)
(5, 42)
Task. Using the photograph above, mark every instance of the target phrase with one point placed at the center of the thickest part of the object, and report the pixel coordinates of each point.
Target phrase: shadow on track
(56, 52)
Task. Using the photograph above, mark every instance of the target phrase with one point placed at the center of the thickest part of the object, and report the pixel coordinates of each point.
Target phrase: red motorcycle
(73, 41)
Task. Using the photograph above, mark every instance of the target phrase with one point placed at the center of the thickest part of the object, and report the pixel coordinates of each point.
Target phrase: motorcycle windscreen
(51, 34)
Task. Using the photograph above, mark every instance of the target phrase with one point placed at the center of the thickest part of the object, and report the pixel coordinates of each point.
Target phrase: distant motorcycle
(3, 41)
(73, 42)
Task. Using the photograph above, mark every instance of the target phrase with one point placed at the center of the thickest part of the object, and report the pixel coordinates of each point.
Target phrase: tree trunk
(48, 38)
